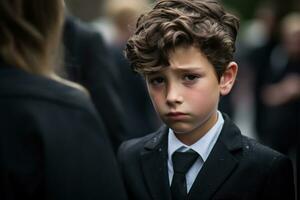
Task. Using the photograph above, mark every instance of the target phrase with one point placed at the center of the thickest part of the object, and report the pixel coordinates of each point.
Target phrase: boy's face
(186, 94)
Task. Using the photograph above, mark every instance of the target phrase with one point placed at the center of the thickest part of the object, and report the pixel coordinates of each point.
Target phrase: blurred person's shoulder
(22, 86)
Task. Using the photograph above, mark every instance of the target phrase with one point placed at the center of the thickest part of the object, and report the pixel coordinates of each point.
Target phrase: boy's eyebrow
(178, 69)
(155, 72)
(188, 69)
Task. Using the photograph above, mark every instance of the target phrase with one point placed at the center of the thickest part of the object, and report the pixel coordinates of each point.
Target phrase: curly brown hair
(172, 23)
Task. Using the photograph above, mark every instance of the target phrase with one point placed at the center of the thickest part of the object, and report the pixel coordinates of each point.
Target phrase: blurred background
(265, 100)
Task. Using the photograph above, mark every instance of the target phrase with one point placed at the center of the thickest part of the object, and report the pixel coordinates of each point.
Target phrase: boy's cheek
(155, 99)
(155, 95)
(158, 104)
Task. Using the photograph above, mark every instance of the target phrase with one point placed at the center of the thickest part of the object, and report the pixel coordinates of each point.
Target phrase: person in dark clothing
(88, 62)
(184, 49)
(53, 144)
(278, 88)
(137, 104)
(280, 91)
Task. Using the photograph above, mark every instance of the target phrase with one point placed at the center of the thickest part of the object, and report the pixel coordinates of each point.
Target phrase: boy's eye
(190, 77)
(157, 80)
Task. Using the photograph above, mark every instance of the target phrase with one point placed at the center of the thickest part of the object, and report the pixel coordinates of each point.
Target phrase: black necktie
(182, 162)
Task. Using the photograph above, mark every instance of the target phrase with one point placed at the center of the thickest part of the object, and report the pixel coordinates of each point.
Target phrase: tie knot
(182, 161)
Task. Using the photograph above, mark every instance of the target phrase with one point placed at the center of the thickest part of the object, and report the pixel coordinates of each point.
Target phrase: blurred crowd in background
(264, 103)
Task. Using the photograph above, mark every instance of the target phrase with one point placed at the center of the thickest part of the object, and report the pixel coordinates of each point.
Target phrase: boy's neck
(196, 134)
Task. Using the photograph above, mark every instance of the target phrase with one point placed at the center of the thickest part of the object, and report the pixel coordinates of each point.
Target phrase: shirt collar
(203, 146)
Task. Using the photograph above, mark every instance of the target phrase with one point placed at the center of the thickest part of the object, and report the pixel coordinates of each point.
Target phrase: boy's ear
(228, 78)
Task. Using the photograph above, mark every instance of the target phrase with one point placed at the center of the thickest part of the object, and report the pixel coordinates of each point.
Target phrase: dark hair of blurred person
(52, 144)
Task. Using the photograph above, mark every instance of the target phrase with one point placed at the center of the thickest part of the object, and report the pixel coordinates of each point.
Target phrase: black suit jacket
(53, 145)
(237, 168)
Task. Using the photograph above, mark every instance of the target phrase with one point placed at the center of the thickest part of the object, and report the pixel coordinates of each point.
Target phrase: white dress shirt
(203, 147)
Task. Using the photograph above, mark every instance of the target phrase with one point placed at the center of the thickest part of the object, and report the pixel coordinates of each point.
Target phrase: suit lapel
(154, 165)
(219, 165)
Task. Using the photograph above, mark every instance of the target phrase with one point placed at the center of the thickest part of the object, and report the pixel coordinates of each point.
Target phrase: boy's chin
(187, 135)
(181, 130)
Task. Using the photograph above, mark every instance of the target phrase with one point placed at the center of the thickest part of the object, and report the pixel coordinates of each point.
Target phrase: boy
(184, 49)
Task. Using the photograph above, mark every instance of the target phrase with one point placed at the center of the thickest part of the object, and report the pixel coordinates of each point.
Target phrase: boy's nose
(173, 97)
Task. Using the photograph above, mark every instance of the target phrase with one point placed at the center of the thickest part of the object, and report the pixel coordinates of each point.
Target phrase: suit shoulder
(261, 154)
(135, 144)
(130, 150)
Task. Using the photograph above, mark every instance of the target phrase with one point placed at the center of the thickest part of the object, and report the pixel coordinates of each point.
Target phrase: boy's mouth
(176, 115)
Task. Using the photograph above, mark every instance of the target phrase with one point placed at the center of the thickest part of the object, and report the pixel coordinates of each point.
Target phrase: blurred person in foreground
(184, 49)
(53, 144)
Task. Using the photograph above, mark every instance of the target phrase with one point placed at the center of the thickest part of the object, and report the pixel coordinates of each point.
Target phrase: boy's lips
(176, 115)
